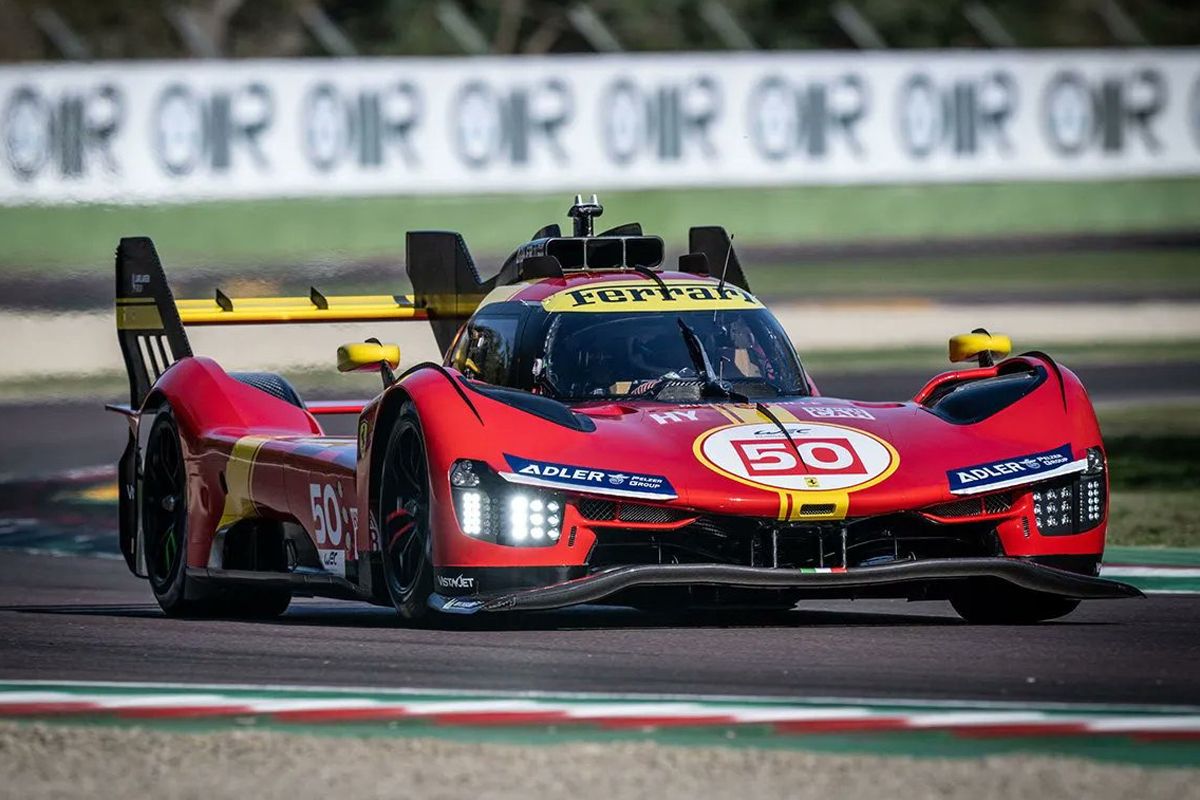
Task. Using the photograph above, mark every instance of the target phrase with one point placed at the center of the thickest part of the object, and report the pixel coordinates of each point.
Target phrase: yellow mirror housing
(367, 356)
(981, 346)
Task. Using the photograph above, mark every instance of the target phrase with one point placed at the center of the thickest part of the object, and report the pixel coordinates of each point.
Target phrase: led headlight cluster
(1072, 505)
(1052, 509)
(474, 514)
(533, 518)
(1092, 502)
(491, 510)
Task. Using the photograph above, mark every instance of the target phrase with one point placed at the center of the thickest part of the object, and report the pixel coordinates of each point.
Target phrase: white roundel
(823, 457)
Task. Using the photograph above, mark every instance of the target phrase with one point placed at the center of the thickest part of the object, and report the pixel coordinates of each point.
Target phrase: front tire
(985, 602)
(406, 541)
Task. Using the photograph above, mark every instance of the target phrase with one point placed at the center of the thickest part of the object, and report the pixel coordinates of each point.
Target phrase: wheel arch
(385, 419)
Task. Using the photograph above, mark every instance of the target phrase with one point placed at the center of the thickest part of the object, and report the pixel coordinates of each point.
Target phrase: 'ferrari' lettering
(641, 296)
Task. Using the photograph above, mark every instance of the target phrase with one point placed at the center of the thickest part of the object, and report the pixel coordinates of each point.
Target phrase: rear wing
(151, 322)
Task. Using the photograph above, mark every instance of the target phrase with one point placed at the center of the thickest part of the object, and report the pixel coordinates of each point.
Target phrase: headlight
(1072, 505)
(463, 474)
(491, 510)
(533, 519)
(471, 513)
(1053, 509)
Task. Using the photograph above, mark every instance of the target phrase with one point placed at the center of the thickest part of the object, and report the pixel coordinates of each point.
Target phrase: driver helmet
(653, 354)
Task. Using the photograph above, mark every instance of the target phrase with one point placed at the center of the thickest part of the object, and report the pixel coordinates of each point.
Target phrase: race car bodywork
(599, 430)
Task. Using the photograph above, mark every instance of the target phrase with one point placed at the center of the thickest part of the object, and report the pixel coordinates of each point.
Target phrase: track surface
(47, 437)
(88, 619)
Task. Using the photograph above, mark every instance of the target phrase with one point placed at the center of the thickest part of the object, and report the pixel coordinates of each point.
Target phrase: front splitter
(595, 587)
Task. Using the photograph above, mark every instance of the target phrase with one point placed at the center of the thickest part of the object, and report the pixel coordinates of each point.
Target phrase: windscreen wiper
(765, 410)
(711, 386)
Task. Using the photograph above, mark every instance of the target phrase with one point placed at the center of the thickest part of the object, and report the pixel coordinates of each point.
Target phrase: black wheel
(406, 539)
(998, 603)
(164, 513)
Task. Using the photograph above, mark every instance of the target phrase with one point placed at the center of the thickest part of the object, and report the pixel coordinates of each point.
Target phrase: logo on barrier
(1106, 115)
(818, 457)
(510, 125)
(663, 122)
(68, 132)
(961, 116)
(807, 119)
(196, 130)
(363, 125)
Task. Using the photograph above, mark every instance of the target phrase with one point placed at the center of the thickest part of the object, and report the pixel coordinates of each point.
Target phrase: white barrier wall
(228, 129)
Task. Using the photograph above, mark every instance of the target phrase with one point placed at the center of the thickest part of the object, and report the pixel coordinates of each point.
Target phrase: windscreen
(615, 355)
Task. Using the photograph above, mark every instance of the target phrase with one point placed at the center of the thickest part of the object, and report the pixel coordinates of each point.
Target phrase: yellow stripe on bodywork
(239, 479)
(138, 317)
(781, 413)
(746, 414)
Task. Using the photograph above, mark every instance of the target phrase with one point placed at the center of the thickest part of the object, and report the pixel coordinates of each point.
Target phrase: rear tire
(406, 538)
(164, 515)
(997, 603)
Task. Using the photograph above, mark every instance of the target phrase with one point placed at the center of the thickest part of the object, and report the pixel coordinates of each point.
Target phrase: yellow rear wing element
(151, 323)
(316, 308)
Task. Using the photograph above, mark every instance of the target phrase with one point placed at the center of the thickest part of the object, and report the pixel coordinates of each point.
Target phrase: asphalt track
(73, 618)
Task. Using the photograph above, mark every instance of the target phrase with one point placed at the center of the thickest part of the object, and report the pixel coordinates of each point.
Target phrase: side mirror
(363, 356)
(979, 345)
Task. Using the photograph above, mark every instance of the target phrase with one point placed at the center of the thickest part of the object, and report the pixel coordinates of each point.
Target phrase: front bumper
(603, 584)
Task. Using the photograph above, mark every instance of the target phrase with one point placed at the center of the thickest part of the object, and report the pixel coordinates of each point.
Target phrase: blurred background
(894, 171)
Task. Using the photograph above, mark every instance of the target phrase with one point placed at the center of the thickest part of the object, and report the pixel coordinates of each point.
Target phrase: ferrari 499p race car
(600, 429)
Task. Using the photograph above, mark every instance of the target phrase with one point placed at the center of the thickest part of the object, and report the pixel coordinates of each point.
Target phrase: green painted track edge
(1153, 556)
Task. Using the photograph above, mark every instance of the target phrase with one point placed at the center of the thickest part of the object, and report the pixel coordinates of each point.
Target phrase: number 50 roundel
(822, 458)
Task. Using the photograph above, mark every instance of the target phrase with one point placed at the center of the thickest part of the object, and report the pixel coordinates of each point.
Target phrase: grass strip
(331, 231)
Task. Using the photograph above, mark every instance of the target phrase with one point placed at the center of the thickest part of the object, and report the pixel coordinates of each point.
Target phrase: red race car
(600, 429)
